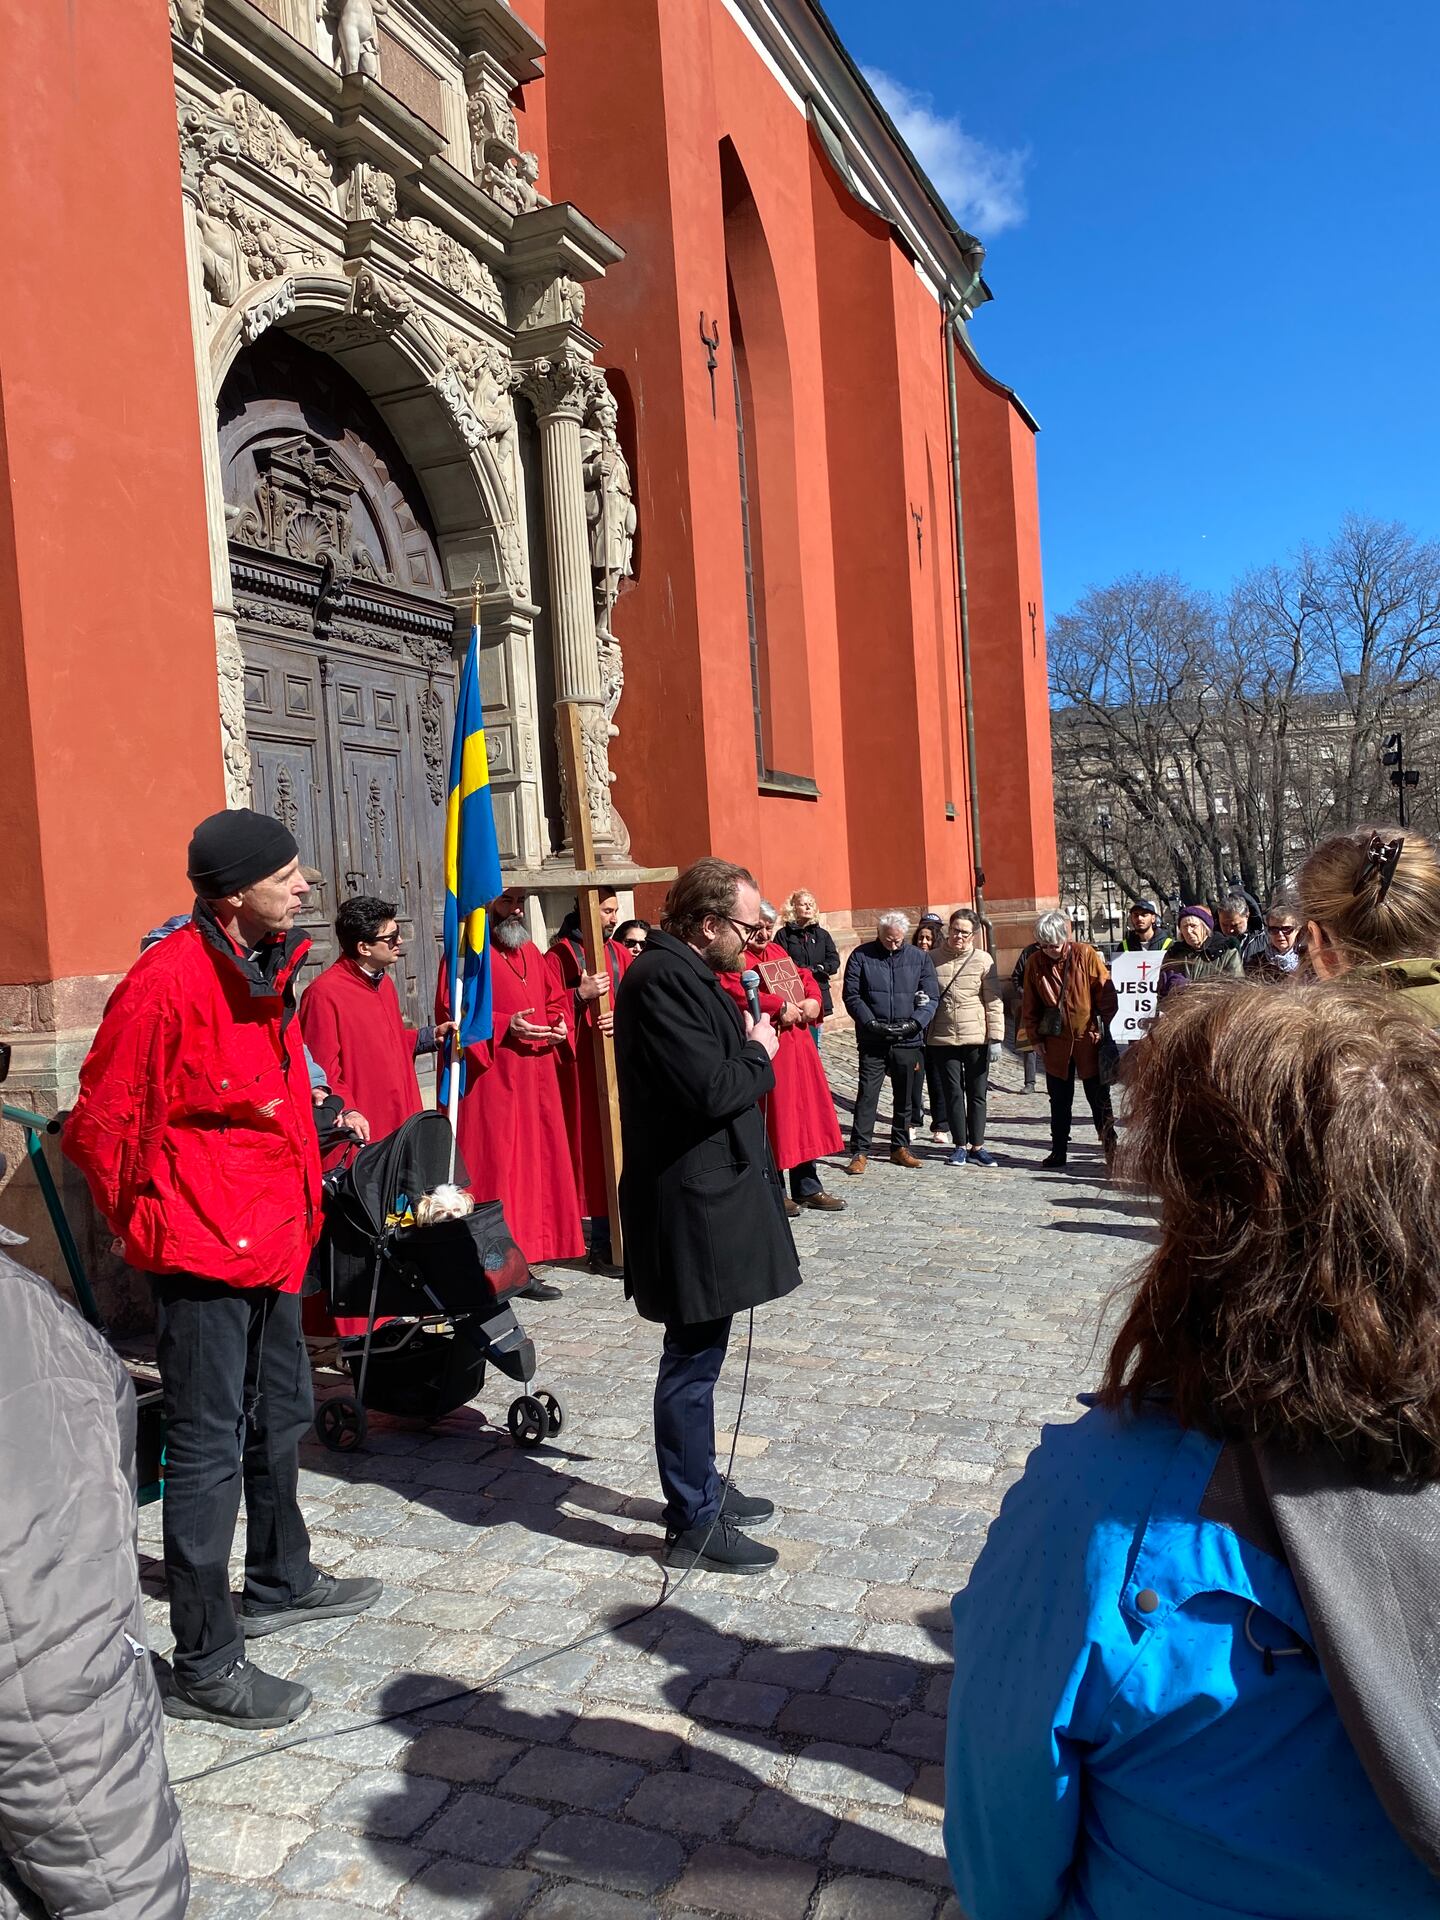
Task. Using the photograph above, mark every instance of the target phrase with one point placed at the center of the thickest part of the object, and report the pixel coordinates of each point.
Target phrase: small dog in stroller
(418, 1275)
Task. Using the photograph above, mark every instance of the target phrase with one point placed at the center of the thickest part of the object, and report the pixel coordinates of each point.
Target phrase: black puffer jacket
(813, 947)
(89, 1828)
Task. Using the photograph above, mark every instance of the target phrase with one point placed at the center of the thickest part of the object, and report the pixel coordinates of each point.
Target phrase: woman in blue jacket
(1197, 1660)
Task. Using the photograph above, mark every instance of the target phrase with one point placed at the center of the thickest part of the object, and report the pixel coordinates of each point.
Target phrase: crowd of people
(1195, 1664)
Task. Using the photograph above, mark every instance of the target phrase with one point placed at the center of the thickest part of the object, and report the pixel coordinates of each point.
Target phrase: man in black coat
(701, 1204)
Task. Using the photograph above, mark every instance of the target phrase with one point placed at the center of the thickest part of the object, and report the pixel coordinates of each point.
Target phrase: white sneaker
(940, 1136)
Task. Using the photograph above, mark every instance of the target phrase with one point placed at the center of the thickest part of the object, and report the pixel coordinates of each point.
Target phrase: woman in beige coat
(964, 1036)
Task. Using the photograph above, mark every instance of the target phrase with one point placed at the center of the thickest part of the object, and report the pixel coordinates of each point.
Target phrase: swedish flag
(472, 863)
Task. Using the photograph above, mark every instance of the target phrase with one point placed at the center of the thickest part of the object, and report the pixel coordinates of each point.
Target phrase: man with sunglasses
(1278, 959)
(351, 1020)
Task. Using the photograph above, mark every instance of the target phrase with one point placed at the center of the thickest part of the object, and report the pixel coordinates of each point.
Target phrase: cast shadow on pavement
(1110, 1229)
(503, 1484)
(784, 1753)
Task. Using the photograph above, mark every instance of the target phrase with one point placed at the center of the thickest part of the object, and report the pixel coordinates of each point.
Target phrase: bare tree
(1221, 741)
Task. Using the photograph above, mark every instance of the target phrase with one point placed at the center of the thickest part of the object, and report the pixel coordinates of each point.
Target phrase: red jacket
(195, 1126)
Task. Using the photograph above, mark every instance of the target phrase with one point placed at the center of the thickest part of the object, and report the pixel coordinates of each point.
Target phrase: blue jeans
(690, 1364)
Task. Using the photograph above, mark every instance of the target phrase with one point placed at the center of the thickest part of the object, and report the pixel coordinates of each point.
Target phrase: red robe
(800, 1113)
(578, 1092)
(355, 1030)
(512, 1123)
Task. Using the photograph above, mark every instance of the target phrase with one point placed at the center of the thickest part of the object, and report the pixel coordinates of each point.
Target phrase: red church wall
(846, 385)
(109, 729)
(1012, 713)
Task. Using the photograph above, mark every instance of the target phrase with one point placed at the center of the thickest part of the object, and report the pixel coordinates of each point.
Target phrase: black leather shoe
(728, 1550)
(540, 1290)
(328, 1599)
(241, 1696)
(746, 1510)
(1055, 1158)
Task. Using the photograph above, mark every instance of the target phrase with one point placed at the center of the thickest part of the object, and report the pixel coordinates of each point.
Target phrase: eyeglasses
(634, 945)
(388, 939)
(1270, 929)
(745, 928)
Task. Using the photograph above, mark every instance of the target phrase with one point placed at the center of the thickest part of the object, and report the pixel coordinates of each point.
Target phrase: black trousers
(1062, 1099)
(875, 1068)
(690, 1364)
(928, 1078)
(236, 1381)
(966, 1077)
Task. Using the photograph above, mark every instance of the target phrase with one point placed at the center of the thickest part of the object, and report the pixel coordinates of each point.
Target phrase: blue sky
(1215, 253)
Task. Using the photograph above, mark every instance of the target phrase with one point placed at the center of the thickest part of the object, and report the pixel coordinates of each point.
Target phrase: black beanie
(231, 851)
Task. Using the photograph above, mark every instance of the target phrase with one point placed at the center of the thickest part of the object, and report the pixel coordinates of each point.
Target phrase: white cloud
(983, 186)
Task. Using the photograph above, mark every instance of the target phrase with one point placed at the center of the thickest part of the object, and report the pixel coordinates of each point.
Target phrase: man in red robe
(351, 1019)
(512, 1122)
(592, 1013)
(800, 1111)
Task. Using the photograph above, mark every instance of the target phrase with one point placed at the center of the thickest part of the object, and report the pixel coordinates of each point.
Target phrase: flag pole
(456, 972)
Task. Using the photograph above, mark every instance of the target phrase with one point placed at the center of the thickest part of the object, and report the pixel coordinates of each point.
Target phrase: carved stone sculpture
(511, 179)
(187, 22)
(222, 263)
(275, 146)
(357, 36)
(370, 194)
(444, 258)
(609, 506)
(235, 742)
(379, 302)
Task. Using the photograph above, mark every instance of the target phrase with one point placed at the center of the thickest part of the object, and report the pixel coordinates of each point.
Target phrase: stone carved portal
(346, 640)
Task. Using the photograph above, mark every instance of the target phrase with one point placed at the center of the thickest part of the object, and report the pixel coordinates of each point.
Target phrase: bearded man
(701, 1205)
(511, 1132)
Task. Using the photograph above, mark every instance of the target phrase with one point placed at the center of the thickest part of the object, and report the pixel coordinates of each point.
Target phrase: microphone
(750, 981)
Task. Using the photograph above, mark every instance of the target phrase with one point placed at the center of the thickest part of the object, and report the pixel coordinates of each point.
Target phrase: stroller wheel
(529, 1421)
(554, 1407)
(340, 1423)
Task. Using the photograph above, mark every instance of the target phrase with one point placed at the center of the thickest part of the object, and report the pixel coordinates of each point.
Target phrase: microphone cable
(667, 1594)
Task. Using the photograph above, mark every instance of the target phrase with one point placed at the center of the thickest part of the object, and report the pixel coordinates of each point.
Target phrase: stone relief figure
(609, 506)
(357, 36)
(512, 181)
(222, 259)
(187, 22)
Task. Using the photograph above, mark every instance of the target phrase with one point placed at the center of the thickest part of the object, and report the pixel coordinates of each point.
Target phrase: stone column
(204, 138)
(560, 389)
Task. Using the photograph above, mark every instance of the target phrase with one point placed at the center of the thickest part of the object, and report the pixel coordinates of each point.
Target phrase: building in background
(631, 319)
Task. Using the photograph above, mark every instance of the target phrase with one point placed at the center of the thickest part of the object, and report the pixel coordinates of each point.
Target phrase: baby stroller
(421, 1310)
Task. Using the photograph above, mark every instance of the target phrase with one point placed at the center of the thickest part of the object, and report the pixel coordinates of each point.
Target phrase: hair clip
(1382, 856)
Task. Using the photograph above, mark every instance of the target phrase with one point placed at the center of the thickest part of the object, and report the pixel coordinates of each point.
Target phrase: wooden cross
(590, 885)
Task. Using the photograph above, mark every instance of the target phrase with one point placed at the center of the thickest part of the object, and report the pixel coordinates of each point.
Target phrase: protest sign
(1135, 976)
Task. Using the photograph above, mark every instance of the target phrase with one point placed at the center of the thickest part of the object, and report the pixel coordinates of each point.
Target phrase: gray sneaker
(241, 1696)
(328, 1599)
(725, 1549)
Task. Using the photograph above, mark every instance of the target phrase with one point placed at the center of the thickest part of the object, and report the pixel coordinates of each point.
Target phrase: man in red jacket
(353, 1025)
(195, 1130)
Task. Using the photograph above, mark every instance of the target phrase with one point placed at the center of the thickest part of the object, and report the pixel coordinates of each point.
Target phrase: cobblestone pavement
(761, 1748)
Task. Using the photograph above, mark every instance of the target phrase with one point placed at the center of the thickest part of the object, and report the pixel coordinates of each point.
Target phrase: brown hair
(1295, 1294)
(708, 887)
(1369, 909)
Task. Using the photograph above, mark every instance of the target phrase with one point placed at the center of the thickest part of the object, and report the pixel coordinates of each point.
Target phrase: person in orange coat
(511, 1131)
(592, 1013)
(800, 1113)
(1066, 1001)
